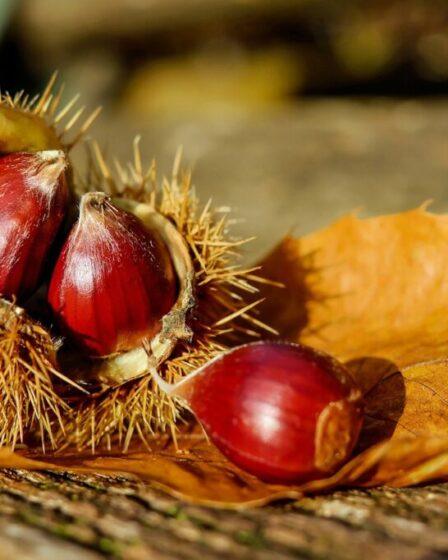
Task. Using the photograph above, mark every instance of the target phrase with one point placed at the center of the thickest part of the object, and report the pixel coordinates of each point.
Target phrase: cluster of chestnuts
(119, 287)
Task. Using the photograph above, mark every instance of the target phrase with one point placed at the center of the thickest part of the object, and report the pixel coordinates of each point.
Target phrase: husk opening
(117, 369)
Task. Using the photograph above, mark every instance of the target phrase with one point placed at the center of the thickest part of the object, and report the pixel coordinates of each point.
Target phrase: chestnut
(33, 204)
(283, 412)
(115, 284)
(113, 281)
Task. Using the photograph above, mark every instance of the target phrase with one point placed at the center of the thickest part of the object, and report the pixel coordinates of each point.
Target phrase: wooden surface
(65, 516)
(300, 167)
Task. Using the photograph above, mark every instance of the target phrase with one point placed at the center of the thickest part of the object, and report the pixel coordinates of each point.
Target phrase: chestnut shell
(119, 367)
(283, 412)
(33, 204)
(113, 281)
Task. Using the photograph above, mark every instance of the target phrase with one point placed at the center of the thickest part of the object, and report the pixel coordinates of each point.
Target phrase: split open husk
(119, 368)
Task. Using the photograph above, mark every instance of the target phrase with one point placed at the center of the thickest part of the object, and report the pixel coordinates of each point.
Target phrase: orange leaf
(375, 287)
(199, 474)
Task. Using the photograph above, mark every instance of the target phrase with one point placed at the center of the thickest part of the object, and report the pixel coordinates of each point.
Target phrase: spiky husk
(30, 408)
(225, 311)
(42, 122)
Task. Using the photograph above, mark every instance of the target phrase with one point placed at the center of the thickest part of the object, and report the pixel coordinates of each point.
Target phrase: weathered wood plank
(123, 518)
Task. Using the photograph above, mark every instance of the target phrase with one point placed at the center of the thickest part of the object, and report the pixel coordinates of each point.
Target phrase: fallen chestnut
(33, 203)
(283, 412)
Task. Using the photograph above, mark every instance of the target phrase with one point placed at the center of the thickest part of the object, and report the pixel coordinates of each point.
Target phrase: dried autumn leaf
(375, 287)
(198, 473)
(371, 292)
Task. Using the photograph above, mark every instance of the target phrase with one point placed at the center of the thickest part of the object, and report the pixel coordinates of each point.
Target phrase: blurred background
(293, 112)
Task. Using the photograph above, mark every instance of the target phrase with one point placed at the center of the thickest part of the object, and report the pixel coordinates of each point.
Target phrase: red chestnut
(113, 281)
(283, 412)
(33, 203)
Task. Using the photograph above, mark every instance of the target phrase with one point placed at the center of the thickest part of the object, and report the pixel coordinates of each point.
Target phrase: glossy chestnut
(113, 281)
(283, 412)
(33, 203)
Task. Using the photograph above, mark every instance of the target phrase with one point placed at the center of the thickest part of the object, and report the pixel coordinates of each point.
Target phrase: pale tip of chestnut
(48, 167)
(52, 155)
(93, 200)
